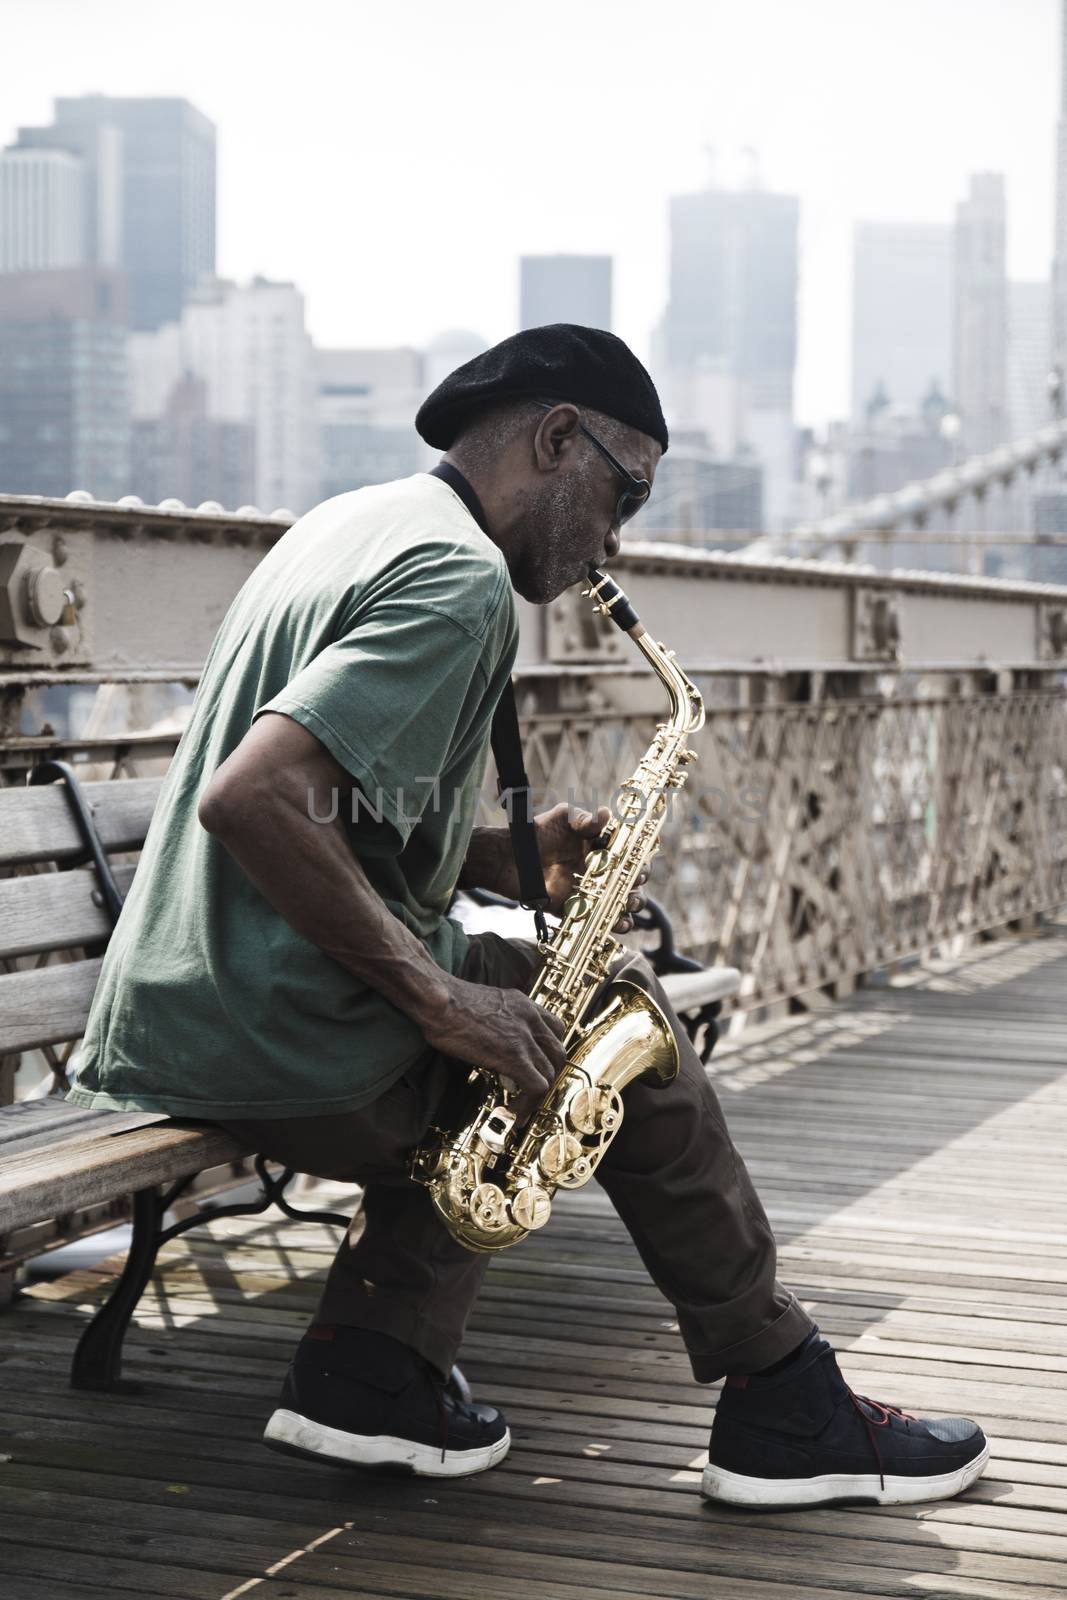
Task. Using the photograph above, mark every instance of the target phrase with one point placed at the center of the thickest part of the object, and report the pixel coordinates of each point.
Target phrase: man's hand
(565, 838)
(502, 1031)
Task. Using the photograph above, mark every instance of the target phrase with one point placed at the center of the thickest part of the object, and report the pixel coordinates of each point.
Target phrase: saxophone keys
(488, 1206)
(531, 1206)
(580, 1172)
(597, 1109)
(558, 1153)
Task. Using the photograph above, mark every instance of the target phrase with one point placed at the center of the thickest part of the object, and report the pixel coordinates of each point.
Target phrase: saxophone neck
(687, 705)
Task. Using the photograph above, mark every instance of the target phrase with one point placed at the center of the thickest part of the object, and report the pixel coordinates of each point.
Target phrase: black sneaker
(798, 1436)
(362, 1399)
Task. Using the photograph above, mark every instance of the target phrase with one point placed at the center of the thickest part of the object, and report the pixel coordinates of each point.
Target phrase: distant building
(150, 192)
(733, 288)
(98, 147)
(191, 456)
(733, 311)
(565, 289)
(366, 402)
(901, 312)
(897, 445)
(1029, 346)
(64, 396)
(250, 348)
(42, 210)
(707, 399)
(980, 384)
(698, 494)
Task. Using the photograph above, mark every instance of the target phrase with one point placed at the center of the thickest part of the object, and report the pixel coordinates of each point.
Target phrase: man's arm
(261, 804)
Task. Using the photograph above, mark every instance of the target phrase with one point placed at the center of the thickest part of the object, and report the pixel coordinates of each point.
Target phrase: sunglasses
(637, 490)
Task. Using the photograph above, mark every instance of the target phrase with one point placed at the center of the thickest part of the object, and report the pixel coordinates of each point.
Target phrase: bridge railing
(883, 767)
(815, 843)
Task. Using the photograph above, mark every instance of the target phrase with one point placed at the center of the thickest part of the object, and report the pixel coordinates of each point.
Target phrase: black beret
(558, 362)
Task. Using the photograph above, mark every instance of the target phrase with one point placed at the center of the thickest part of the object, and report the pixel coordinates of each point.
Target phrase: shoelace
(870, 1423)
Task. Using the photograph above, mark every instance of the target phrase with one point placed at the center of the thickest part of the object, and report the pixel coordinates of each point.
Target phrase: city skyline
(362, 262)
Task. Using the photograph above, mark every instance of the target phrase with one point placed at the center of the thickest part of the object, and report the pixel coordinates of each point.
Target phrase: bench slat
(54, 910)
(46, 1006)
(49, 1183)
(36, 824)
(32, 1124)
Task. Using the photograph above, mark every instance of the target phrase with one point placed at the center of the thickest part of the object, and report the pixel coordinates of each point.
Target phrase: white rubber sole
(734, 1489)
(288, 1430)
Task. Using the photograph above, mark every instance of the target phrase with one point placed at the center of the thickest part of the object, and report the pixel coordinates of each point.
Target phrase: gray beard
(559, 516)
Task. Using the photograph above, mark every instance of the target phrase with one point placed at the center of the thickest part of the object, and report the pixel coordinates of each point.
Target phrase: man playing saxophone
(285, 965)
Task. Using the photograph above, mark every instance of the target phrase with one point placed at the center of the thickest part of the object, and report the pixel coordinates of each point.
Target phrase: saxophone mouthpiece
(610, 600)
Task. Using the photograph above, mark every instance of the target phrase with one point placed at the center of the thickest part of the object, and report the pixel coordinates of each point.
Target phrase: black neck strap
(513, 789)
(459, 485)
(513, 786)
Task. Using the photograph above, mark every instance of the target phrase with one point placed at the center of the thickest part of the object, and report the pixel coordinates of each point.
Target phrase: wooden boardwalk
(910, 1148)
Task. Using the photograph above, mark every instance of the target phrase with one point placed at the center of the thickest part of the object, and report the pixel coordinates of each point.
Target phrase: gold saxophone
(491, 1183)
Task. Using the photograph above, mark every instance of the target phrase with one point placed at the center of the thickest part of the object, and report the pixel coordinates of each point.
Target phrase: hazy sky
(396, 158)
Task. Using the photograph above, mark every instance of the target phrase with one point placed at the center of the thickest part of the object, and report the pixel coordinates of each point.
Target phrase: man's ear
(556, 435)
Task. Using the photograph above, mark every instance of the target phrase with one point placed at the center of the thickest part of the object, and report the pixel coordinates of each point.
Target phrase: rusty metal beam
(150, 585)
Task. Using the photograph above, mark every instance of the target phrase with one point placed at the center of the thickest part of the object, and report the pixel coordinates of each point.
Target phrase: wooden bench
(66, 1172)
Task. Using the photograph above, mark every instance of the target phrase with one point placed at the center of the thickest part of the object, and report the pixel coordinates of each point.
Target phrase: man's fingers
(553, 1045)
(556, 1024)
(588, 825)
(532, 1079)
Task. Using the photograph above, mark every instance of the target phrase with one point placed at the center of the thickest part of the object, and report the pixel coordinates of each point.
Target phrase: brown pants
(672, 1174)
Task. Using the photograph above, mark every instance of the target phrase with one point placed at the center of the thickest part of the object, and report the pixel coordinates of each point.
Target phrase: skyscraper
(733, 288)
(98, 148)
(249, 347)
(150, 166)
(901, 312)
(1029, 342)
(42, 210)
(979, 386)
(733, 312)
(565, 289)
(64, 405)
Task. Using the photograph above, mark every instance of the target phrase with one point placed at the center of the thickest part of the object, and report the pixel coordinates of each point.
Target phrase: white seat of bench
(688, 990)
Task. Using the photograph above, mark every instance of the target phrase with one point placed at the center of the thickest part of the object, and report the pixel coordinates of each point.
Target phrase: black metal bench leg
(97, 1361)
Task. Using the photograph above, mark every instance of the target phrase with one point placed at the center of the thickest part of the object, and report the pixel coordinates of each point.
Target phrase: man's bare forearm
(307, 871)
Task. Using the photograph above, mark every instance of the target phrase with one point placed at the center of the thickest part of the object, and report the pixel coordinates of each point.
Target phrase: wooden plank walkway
(910, 1147)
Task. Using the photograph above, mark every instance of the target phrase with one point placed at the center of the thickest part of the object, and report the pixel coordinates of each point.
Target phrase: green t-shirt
(384, 623)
